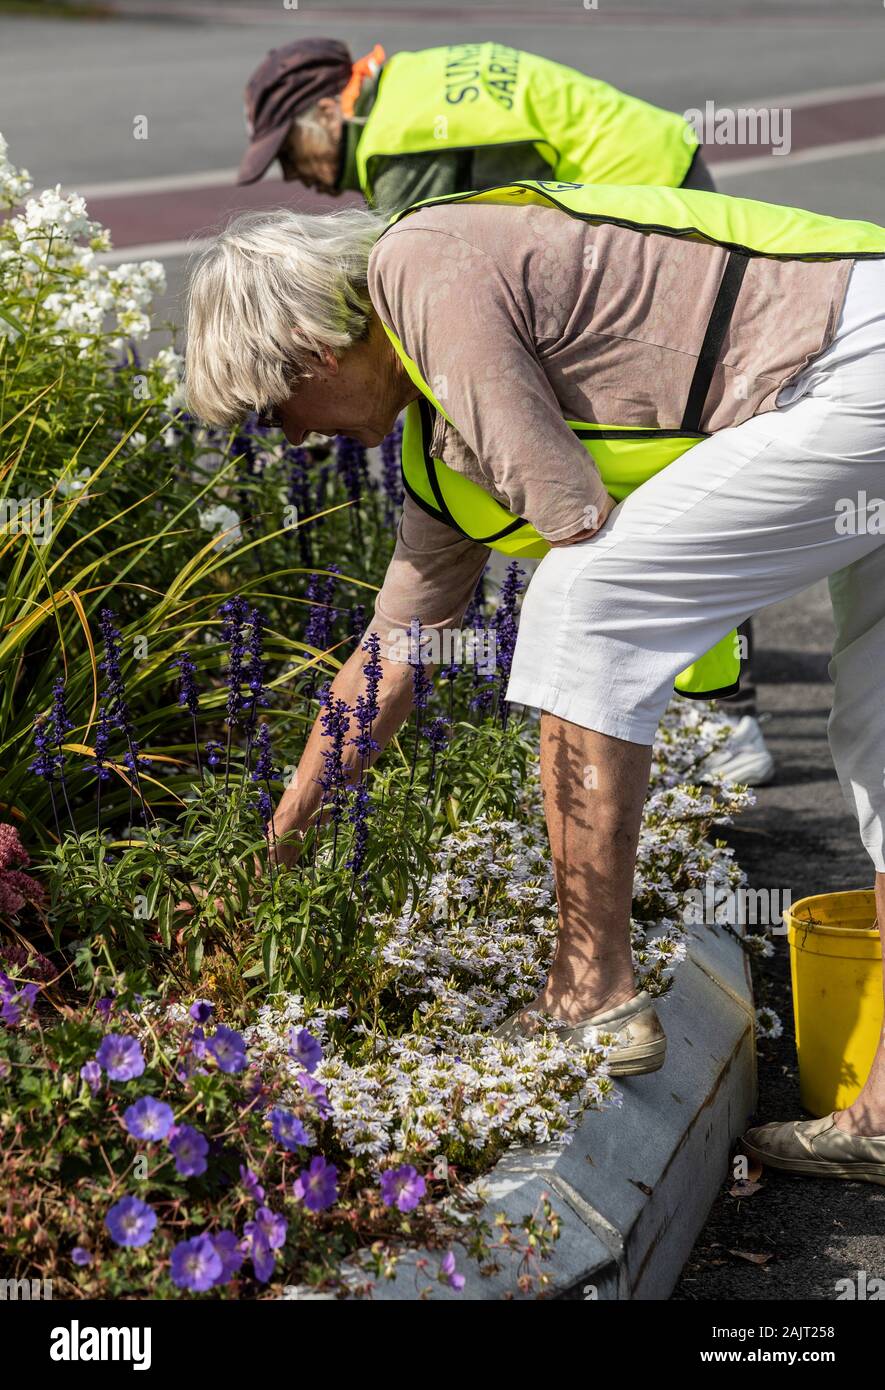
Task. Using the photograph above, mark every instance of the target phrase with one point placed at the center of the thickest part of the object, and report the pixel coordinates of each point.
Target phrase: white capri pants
(746, 518)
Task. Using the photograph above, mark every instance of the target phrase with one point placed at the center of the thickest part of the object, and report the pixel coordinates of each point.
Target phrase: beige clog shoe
(817, 1149)
(640, 1042)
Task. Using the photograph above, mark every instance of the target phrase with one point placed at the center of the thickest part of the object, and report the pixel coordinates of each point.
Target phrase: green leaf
(164, 920)
(195, 956)
(12, 320)
(269, 955)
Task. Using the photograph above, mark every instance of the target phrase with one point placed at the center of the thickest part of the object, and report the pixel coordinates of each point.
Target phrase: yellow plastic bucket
(836, 969)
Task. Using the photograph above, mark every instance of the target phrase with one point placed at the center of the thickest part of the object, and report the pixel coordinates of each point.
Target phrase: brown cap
(288, 81)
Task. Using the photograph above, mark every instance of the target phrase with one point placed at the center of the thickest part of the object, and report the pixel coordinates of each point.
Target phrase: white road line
(167, 183)
(154, 251)
(822, 96)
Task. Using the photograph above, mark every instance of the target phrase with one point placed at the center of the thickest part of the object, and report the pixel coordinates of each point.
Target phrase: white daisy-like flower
(225, 520)
(768, 1024)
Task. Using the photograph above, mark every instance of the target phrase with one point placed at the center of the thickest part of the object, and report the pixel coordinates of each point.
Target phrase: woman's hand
(200, 895)
(284, 850)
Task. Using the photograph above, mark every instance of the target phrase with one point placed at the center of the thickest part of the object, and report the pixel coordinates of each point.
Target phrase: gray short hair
(265, 298)
(311, 121)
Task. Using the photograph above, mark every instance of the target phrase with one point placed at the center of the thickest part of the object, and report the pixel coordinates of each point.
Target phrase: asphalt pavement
(70, 95)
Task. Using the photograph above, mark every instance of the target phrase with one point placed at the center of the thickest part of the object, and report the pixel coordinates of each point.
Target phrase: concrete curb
(635, 1185)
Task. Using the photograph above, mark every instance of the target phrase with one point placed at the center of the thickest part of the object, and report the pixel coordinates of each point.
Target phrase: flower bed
(215, 1077)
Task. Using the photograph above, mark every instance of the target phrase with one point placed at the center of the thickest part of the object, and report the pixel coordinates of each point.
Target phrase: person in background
(452, 120)
(461, 118)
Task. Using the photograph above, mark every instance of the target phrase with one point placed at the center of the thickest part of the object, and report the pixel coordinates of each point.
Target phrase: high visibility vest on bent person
(475, 95)
(627, 455)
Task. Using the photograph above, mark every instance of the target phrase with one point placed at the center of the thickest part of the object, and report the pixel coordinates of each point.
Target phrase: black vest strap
(717, 327)
(444, 511)
(426, 431)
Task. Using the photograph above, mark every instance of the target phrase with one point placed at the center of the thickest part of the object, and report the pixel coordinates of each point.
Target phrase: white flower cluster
(48, 254)
(688, 732)
(419, 1095)
(15, 184)
(169, 367)
(479, 945)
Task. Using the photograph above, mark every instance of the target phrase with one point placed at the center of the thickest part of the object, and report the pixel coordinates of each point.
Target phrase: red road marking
(140, 219)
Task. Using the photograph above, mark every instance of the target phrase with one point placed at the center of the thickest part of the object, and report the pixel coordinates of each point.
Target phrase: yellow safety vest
(627, 455)
(473, 95)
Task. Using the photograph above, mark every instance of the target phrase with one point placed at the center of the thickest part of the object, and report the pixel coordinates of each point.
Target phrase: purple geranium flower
(263, 1258)
(402, 1187)
(288, 1129)
(148, 1118)
(251, 1184)
(228, 1048)
(229, 1252)
(447, 1271)
(317, 1186)
(81, 1256)
(272, 1226)
(189, 1148)
(196, 1264)
(13, 1000)
(131, 1221)
(121, 1057)
(90, 1072)
(318, 1094)
(201, 1010)
(305, 1049)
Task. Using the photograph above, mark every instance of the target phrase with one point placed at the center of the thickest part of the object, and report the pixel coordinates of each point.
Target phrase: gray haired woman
(522, 319)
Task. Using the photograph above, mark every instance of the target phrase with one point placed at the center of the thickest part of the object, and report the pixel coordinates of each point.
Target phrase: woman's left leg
(594, 791)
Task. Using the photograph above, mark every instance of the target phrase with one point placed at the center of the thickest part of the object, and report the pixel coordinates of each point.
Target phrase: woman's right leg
(747, 518)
